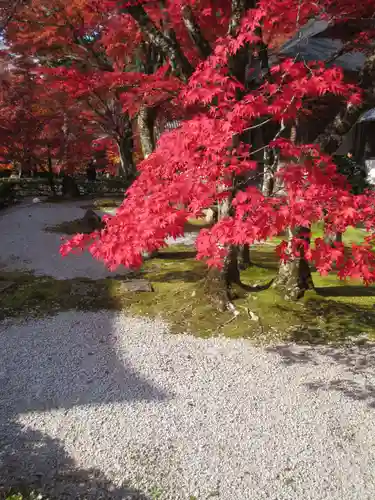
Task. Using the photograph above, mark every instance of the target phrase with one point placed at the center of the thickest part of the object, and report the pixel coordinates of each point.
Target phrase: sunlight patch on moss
(335, 311)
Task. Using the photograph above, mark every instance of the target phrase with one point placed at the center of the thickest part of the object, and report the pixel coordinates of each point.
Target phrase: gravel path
(121, 400)
(26, 245)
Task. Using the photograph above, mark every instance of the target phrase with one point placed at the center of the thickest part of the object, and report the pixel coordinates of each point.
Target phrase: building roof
(312, 43)
(369, 116)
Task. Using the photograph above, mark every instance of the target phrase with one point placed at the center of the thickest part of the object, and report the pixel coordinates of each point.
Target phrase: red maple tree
(38, 127)
(218, 56)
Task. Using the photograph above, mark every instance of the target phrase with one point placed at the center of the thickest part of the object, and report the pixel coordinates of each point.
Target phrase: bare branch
(333, 136)
(168, 46)
(195, 32)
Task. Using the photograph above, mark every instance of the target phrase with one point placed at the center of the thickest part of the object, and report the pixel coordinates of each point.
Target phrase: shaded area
(346, 291)
(349, 388)
(322, 320)
(39, 295)
(179, 255)
(66, 365)
(359, 360)
(264, 257)
(34, 461)
(57, 364)
(77, 226)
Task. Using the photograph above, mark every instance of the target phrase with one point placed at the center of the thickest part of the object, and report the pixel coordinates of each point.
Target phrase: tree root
(256, 288)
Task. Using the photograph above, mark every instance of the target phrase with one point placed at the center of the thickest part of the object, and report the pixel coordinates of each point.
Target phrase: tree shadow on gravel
(349, 388)
(68, 364)
(72, 364)
(33, 461)
(358, 360)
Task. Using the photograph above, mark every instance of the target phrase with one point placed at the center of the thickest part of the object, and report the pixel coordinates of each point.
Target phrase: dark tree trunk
(69, 187)
(146, 121)
(50, 175)
(195, 32)
(294, 276)
(127, 165)
(244, 260)
(167, 45)
(332, 137)
(219, 281)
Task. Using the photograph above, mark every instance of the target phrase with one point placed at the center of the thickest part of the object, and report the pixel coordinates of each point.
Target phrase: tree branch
(169, 47)
(195, 33)
(332, 137)
(238, 9)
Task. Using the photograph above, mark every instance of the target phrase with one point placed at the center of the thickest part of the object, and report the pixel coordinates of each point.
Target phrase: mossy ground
(335, 311)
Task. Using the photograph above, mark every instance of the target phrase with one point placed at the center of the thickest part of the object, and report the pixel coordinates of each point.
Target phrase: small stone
(138, 285)
(91, 221)
(361, 339)
(253, 316)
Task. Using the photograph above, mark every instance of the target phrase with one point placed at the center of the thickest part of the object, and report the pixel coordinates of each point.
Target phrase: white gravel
(102, 405)
(122, 399)
(26, 245)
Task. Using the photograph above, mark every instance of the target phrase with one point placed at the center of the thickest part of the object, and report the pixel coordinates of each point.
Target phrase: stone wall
(39, 187)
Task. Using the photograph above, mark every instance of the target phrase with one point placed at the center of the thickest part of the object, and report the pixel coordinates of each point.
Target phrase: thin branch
(195, 33)
(168, 46)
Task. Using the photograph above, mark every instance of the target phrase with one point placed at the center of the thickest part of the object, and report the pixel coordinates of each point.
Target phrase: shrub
(7, 194)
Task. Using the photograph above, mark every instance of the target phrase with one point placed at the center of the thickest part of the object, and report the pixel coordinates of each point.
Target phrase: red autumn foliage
(200, 163)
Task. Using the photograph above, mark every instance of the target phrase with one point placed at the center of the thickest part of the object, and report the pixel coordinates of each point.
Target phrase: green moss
(36, 296)
(105, 203)
(335, 311)
(69, 227)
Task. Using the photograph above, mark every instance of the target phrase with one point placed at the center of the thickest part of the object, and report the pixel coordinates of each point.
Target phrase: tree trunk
(195, 32)
(125, 148)
(268, 172)
(333, 136)
(244, 260)
(333, 238)
(50, 174)
(294, 276)
(146, 120)
(219, 281)
(211, 215)
(69, 187)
